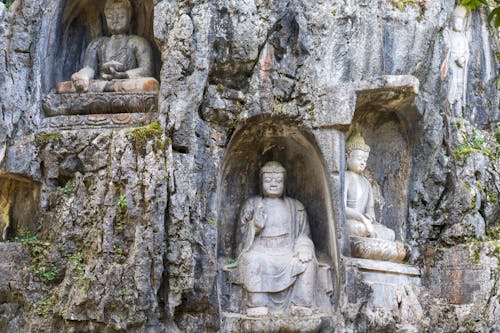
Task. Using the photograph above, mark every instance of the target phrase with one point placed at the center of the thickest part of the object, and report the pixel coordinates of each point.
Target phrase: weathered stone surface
(99, 103)
(98, 121)
(291, 63)
(387, 292)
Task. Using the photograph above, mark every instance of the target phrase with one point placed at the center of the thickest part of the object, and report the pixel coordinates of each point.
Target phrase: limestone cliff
(118, 224)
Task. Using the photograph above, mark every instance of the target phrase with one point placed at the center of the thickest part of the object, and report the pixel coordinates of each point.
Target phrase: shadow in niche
(71, 25)
(260, 140)
(18, 206)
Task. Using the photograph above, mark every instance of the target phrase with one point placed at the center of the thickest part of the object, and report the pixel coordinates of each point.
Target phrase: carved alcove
(258, 141)
(18, 206)
(69, 27)
(385, 114)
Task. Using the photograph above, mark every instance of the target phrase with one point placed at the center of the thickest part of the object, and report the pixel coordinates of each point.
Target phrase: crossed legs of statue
(147, 84)
(358, 229)
(301, 295)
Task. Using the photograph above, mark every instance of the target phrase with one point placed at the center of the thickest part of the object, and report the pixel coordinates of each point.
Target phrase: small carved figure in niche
(277, 266)
(369, 239)
(121, 62)
(359, 194)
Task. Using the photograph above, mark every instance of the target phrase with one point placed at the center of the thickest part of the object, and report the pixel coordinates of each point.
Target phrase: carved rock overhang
(395, 93)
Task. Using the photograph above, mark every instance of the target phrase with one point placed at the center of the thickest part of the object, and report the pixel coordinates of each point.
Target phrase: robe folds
(270, 264)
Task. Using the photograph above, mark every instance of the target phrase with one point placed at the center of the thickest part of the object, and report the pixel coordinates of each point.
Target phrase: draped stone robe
(266, 263)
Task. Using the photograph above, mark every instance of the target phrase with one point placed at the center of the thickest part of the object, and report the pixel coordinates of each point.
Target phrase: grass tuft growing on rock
(141, 135)
(46, 138)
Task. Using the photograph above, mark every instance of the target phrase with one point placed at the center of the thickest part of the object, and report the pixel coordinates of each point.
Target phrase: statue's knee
(356, 228)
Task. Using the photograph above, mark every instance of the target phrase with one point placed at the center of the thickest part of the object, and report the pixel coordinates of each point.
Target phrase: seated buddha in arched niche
(120, 62)
(368, 238)
(277, 266)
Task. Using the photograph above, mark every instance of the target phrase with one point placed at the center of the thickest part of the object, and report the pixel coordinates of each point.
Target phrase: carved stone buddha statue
(277, 266)
(369, 238)
(118, 63)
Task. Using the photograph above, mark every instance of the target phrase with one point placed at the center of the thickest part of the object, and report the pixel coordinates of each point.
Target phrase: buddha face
(458, 18)
(273, 184)
(117, 18)
(356, 160)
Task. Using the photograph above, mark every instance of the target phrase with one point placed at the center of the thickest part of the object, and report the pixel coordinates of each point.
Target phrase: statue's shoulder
(139, 41)
(295, 203)
(252, 201)
(97, 42)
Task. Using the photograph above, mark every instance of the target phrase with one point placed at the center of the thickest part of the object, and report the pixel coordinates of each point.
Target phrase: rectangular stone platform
(386, 290)
(99, 103)
(316, 323)
(91, 121)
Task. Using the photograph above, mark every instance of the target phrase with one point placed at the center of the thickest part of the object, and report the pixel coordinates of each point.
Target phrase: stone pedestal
(91, 121)
(386, 294)
(377, 249)
(99, 103)
(315, 323)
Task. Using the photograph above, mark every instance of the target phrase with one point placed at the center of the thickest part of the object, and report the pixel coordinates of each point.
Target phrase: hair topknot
(356, 142)
(274, 167)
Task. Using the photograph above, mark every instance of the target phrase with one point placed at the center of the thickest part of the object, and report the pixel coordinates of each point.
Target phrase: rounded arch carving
(389, 164)
(260, 140)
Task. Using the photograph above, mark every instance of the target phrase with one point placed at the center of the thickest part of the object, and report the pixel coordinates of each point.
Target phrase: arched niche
(258, 141)
(70, 25)
(389, 164)
(386, 114)
(18, 206)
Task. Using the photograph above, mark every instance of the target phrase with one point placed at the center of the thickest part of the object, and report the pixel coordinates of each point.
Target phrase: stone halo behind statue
(118, 63)
(277, 266)
(368, 238)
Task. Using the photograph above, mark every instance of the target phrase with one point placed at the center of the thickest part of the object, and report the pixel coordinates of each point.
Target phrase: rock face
(128, 217)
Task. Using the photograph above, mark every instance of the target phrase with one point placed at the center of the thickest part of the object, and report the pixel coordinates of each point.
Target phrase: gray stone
(276, 241)
(121, 62)
(151, 215)
(99, 103)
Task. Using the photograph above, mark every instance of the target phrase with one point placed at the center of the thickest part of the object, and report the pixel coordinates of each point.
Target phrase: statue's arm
(144, 56)
(81, 79)
(90, 60)
(370, 208)
(350, 213)
(304, 246)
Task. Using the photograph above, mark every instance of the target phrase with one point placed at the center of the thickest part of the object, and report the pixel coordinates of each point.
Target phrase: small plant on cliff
(8, 4)
(122, 202)
(68, 188)
(44, 307)
(43, 139)
(494, 14)
(141, 135)
(25, 236)
(473, 142)
(81, 278)
(46, 271)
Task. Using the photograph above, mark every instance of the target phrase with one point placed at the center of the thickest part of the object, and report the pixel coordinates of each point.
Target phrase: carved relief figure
(457, 60)
(120, 62)
(359, 194)
(361, 224)
(277, 265)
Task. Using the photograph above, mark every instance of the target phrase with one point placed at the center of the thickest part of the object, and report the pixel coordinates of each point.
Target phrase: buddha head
(118, 14)
(458, 18)
(273, 176)
(357, 152)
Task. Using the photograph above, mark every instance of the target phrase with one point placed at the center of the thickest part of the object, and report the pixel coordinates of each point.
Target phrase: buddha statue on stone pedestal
(369, 239)
(118, 63)
(277, 266)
